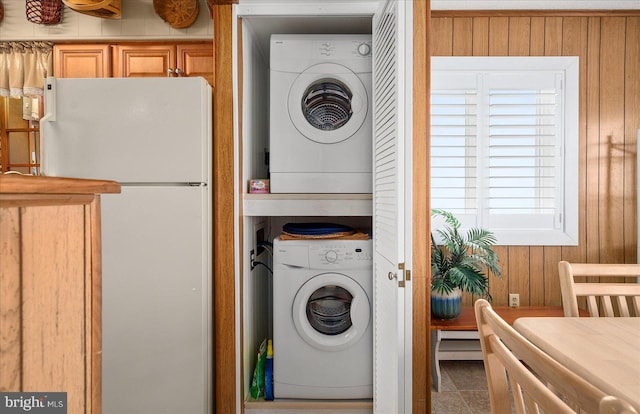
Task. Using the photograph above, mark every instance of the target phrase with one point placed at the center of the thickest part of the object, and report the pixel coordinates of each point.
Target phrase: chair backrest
(537, 381)
(608, 290)
(613, 405)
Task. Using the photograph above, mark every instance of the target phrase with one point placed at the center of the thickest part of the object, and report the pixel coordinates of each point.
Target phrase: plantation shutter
(497, 148)
(454, 144)
(523, 172)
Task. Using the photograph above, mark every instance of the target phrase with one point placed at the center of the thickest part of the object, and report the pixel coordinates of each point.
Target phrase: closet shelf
(308, 205)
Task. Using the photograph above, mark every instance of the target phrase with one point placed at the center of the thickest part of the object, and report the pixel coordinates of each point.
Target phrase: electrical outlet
(258, 237)
(514, 300)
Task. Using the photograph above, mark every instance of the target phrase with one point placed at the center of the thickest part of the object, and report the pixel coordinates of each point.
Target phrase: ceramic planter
(446, 306)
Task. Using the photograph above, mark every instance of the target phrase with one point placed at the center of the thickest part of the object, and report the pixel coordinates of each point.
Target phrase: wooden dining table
(603, 351)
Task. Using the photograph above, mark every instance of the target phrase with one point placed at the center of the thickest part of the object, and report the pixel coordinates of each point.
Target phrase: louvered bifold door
(392, 322)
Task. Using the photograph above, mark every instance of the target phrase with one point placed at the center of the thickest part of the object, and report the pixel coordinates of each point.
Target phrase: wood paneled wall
(609, 51)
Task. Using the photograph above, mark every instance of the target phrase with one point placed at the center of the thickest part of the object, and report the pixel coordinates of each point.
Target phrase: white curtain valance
(24, 66)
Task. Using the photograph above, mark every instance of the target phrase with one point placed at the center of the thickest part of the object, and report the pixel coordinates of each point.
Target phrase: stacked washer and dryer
(321, 142)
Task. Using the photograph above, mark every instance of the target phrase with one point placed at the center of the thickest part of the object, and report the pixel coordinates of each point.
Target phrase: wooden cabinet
(134, 60)
(196, 60)
(143, 60)
(188, 59)
(82, 61)
(50, 287)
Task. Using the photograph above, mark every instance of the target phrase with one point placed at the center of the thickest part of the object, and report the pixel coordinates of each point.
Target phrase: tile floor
(464, 389)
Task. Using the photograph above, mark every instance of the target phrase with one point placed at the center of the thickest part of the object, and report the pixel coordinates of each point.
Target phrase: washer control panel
(324, 255)
(295, 53)
(353, 48)
(338, 254)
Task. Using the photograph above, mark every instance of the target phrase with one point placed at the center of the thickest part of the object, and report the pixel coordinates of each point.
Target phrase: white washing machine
(322, 319)
(320, 134)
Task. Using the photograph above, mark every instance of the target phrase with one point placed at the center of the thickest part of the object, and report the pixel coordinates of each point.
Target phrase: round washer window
(326, 104)
(329, 310)
(336, 302)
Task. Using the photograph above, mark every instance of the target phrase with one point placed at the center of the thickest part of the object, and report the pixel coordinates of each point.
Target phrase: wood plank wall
(608, 45)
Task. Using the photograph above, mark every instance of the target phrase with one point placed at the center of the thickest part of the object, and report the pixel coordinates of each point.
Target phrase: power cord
(268, 246)
(255, 263)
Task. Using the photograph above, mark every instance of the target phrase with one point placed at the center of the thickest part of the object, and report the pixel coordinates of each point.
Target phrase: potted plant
(459, 264)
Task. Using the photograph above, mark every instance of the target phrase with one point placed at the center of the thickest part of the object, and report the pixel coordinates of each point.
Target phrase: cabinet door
(10, 301)
(82, 61)
(196, 60)
(49, 315)
(143, 60)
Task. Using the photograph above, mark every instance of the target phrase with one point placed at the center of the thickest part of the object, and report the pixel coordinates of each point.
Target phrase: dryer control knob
(331, 256)
(364, 49)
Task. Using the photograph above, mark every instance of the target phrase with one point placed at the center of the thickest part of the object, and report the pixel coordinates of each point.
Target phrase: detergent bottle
(268, 381)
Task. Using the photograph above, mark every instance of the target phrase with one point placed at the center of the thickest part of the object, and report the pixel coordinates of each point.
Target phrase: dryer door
(328, 103)
(331, 312)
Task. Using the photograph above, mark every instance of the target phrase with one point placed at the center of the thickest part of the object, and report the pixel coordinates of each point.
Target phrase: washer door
(328, 103)
(331, 312)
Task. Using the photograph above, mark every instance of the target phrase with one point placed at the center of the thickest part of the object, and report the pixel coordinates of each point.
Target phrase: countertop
(28, 184)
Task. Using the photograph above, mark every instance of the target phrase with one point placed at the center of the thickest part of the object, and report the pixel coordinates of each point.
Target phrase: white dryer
(322, 319)
(320, 133)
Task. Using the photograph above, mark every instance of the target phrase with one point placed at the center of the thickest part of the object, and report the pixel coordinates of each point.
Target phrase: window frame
(513, 231)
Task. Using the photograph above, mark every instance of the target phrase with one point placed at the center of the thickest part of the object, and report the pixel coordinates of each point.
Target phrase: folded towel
(347, 235)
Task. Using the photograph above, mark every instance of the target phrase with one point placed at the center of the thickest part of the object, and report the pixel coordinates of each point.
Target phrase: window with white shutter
(504, 146)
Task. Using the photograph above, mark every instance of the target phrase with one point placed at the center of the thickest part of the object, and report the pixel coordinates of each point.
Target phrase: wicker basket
(44, 11)
(106, 9)
(178, 13)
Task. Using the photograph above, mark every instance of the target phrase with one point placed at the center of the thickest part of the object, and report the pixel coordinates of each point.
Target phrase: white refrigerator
(153, 135)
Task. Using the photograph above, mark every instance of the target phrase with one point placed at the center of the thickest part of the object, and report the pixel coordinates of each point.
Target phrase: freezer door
(156, 301)
(127, 129)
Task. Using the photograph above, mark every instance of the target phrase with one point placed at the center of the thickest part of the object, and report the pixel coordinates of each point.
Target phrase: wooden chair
(606, 291)
(613, 405)
(537, 381)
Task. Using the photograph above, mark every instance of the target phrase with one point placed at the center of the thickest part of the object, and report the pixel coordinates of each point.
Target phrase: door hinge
(403, 272)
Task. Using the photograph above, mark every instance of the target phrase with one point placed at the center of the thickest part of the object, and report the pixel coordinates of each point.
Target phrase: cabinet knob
(179, 72)
(170, 72)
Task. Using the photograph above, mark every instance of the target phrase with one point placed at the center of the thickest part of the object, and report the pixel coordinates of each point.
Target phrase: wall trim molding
(536, 13)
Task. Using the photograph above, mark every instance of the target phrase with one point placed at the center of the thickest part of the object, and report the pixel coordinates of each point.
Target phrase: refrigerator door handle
(50, 98)
(49, 116)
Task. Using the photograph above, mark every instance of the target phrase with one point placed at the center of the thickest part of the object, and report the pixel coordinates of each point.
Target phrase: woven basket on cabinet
(44, 11)
(107, 9)
(178, 13)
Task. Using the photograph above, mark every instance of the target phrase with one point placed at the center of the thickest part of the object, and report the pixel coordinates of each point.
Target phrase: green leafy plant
(461, 261)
